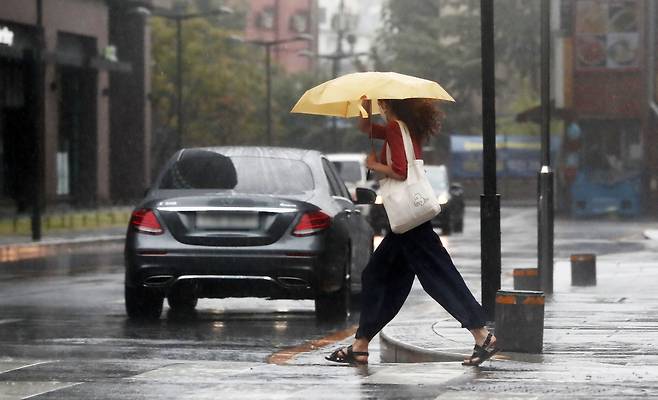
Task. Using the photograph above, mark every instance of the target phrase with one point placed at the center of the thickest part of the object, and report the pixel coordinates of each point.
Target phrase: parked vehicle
(596, 193)
(352, 168)
(246, 222)
(451, 197)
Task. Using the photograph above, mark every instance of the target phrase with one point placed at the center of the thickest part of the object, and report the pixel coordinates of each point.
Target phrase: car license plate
(209, 220)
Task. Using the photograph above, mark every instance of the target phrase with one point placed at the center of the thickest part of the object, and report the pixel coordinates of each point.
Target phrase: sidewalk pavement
(612, 324)
(20, 247)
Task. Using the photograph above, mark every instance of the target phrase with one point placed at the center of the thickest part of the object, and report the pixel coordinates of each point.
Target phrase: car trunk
(228, 220)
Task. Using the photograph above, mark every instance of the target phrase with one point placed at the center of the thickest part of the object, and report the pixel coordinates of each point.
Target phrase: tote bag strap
(408, 144)
(406, 141)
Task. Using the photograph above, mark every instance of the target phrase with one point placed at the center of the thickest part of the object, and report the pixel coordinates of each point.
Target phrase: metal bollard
(583, 269)
(526, 278)
(520, 320)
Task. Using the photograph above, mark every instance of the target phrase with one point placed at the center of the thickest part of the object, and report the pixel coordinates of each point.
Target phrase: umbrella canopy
(341, 97)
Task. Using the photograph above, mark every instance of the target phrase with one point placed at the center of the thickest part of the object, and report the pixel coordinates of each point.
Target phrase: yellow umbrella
(341, 97)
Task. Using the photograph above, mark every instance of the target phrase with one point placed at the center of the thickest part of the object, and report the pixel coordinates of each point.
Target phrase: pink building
(272, 20)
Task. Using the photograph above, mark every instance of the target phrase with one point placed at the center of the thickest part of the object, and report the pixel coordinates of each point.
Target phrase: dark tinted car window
(243, 174)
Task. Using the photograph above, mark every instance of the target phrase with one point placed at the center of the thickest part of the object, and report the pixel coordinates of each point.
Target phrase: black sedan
(246, 222)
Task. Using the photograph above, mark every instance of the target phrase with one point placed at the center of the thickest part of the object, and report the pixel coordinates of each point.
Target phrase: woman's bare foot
(485, 347)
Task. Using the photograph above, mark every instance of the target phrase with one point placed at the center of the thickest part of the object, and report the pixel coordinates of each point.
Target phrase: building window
(265, 19)
(299, 22)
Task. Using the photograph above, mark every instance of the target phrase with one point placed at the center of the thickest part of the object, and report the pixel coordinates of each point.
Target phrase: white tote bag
(411, 202)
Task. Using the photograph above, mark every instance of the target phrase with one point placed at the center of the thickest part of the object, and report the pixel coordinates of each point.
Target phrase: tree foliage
(221, 82)
(224, 98)
(440, 40)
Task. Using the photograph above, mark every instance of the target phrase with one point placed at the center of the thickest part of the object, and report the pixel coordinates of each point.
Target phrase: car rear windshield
(350, 171)
(243, 174)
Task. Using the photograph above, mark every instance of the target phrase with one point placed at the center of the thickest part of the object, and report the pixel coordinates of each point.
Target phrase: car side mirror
(365, 196)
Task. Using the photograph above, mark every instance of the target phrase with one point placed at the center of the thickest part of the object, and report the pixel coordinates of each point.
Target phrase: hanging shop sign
(6, 36)
(607, 34)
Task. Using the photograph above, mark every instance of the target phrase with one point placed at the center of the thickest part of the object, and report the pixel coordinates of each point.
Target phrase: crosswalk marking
(30, 389)
(8, 366)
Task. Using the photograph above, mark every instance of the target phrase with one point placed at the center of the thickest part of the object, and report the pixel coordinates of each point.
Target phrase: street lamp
(178, 19)
(335, 58)
(268, 44)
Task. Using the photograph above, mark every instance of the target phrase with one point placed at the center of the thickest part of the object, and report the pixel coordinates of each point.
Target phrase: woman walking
(389, 275)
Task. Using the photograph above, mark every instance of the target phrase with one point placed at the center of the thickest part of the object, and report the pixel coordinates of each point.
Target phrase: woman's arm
(364, 124)
(378, 131)
(373, 164)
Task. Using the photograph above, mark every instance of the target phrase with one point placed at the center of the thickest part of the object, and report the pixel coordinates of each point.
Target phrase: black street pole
(178, 20)
(268, 76)
(490, 200)
(545, 213)
(179, 81)
(38, 113)
(268, 89)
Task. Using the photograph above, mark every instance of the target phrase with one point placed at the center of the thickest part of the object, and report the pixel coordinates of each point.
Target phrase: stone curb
(394, 350)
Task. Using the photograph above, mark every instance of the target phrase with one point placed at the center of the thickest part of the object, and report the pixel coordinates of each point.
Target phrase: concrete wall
(130, 109)
(80, 17)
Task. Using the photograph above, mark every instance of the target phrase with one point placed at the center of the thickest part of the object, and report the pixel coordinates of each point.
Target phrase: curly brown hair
(422, 116)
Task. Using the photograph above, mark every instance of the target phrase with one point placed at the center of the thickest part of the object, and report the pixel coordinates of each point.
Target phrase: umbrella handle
(372, 148)
(366, 113)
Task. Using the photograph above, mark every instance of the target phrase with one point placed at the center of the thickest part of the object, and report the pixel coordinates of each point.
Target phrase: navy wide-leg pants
(389, 275)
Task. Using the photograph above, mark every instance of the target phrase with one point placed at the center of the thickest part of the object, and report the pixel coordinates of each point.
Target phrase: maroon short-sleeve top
(392, 136)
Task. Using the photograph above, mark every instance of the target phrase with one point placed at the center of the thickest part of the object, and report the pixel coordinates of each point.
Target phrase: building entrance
(76, 149)
(17, 138)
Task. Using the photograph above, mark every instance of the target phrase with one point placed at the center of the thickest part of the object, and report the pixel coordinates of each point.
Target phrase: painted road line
(9, 321)
(8, 366)
(54, 386)
(285, 355)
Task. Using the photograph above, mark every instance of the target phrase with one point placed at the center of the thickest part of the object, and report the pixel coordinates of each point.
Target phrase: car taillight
(312, 223)
(145, 221)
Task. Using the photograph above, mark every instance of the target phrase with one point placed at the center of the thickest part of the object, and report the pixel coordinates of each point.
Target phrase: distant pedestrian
(389, 275)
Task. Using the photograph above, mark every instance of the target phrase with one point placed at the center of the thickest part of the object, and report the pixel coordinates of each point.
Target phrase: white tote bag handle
(411, 202)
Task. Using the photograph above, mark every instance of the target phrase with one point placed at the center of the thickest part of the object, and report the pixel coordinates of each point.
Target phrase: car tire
(143, 303)
(336, 305)
(181, 301)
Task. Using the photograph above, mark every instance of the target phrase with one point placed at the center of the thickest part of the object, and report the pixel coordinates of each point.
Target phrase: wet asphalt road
(64, 334)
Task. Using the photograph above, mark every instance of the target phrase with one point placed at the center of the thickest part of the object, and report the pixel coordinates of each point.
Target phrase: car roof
(434, 167)
(346, 157)
(260, 151)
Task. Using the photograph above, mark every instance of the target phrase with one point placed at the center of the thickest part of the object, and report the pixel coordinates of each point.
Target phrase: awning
(534, 114)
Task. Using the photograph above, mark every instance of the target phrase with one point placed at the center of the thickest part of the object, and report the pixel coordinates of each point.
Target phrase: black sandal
(346, 355)
(482, 353)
